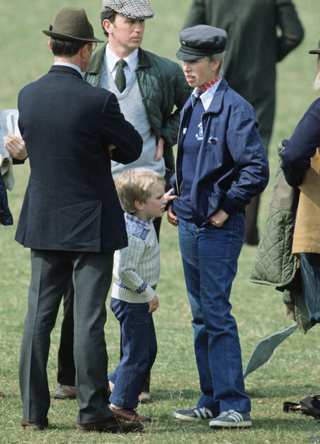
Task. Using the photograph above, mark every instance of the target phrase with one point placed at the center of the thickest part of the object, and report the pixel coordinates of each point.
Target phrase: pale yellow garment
(306, 238)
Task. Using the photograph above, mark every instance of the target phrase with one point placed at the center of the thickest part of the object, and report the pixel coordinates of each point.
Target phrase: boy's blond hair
(135, 184)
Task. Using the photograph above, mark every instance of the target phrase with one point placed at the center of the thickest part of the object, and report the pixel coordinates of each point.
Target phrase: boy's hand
(170, 197)
(153, 305)
(111, 147)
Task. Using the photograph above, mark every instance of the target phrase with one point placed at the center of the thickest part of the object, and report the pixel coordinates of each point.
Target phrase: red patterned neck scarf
(203, 88)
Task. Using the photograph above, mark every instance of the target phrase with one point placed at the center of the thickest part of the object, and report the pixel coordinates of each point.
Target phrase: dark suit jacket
(71, 202)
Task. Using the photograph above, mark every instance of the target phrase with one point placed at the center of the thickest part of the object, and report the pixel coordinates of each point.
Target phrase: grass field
(293, 371)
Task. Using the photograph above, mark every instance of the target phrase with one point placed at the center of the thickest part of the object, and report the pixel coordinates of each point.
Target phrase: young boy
(136, 274)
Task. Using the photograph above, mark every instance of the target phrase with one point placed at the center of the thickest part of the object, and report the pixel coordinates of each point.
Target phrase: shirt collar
(132, 59)
(207, 96)
(71, 65)
(137, 220)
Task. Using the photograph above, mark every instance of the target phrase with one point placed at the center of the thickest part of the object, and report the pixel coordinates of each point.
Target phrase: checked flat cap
(135, 9)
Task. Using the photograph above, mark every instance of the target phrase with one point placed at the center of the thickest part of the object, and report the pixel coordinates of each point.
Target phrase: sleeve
(121, 133)
(249, 156)
(302, 145)
(174, 185)
(18, 162)
(181, 92)
(292, 32)
(130, 257)
(196, 14)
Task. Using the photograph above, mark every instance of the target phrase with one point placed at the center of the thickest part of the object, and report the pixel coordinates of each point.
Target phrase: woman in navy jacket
(221, 166)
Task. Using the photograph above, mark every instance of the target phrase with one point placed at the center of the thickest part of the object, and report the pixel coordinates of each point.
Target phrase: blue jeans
(310, 276)
(209, 257)
(139, 347)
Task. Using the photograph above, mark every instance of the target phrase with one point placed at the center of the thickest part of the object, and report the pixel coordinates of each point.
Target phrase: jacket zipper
(177, 185)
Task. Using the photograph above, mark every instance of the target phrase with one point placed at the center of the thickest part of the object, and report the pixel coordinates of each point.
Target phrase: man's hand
(16, 147)
(111, 147)
(154, 304)
(172, 218)
(218, 218)
(159, 153)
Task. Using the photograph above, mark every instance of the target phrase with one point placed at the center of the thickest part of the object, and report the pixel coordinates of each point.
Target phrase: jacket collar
(216, 103)
(143, 60)
(67, 69)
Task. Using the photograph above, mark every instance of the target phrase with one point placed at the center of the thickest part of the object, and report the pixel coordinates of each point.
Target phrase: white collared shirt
(207, 96)
(132, 63)
(71, 65)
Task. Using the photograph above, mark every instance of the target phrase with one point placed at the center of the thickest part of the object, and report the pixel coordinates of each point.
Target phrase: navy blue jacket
(71, 202)
(301, 146)
(232, 166)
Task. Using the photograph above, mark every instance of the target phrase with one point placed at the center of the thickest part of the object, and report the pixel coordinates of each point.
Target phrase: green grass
(290, 375)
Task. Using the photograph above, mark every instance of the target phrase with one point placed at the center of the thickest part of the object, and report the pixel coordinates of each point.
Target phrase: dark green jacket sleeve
(292, 32)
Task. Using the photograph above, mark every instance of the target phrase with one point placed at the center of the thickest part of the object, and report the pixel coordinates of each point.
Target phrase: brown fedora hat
(315, 51)
(72, 24)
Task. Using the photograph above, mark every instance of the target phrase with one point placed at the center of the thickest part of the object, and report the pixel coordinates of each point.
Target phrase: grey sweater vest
(131, 106)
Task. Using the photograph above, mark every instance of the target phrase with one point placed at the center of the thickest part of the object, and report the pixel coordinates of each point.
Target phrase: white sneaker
(231, 418)
(194, 413)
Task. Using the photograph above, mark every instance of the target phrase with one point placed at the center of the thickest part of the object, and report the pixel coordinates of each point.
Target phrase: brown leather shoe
(1, 395)
(129, 415)
(110, 425)
(65, 392)
(41, 425)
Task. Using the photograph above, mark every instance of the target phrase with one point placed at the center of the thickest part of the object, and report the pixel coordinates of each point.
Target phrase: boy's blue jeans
(209, 256)
(139, 347)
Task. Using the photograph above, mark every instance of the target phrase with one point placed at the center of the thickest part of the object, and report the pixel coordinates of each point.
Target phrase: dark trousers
(66, 367)
(252, 234)
(91, 274)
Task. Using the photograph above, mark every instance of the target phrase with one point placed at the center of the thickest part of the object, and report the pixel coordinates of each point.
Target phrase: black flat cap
(201, 41)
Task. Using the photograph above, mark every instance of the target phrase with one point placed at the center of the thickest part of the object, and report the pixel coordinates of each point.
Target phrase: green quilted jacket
(164, 91)
(274, 264)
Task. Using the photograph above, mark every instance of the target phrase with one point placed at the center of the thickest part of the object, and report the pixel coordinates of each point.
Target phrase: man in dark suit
(71, 219)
